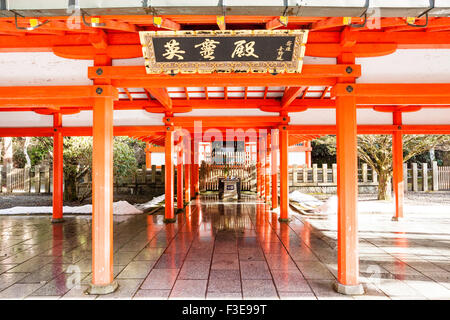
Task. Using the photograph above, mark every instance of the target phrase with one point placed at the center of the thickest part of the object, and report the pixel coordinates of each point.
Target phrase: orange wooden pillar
(267, 169)
(193, 167)
(169, 216)
(57, 169)
(258, 169)
(197, 168)
(308, 154)
(347, 192)
(284, 175)
(180, 191)
(263, 167)
(148, 156)
(397, 164)
(274, 163)
(102, 193)
(187, 172)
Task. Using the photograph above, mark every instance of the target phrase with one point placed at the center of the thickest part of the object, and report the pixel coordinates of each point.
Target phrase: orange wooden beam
(162, 95)
(56, 92)
(184, 105)
(165, 23)
(334, 22)
(290, 94)
(308, 71)
(277, 22)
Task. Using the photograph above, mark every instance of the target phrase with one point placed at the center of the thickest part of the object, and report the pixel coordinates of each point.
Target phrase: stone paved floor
(224, 251)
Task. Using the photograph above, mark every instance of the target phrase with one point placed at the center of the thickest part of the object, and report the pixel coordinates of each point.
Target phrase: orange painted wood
(196, 169)
(267, 169)
(397, 163)
(398, 90)
(274, 166)
(347, 190)
(169, 175)
(187, 177)
(180, 192)
(308, 154)
(57, 167)
(162, 95)
(258, 169)
(290, 94)
(262, 158)
(284, 175)
(192, 169)
(148, 156)
(102, 192)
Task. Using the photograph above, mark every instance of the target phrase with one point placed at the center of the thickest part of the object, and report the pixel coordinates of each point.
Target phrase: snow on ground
(418, 205)
(151, 204)
(119, 208)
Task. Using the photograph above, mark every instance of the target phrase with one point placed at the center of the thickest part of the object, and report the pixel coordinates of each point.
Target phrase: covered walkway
(219, 250)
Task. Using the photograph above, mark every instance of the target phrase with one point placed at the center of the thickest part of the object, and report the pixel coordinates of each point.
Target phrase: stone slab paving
(225, 250)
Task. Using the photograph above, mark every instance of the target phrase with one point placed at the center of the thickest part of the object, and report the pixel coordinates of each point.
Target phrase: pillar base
(57, 220)
(102, 289)
(180, 210)
(170, 220)
(348, 290)
(397, 218)
(283, 220)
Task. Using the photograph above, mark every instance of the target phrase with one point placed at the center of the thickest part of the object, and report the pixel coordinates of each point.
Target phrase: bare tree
(376, 151)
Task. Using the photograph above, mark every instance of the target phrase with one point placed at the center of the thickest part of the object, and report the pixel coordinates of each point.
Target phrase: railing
(444, 178)
(25, 180)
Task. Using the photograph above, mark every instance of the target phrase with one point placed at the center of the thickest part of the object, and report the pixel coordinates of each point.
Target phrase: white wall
(24, 119)
(158, 158)
(297, 158)
(407, 66)
(42, 68)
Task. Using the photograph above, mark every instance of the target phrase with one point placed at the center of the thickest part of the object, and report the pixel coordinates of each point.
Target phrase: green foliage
(125, 162)
(324, 150)
(40, 150)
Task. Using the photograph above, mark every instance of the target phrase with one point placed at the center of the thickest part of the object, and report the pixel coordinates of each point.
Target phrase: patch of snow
(307, 199)
(152, 203)
(119, 208)
(330, 206)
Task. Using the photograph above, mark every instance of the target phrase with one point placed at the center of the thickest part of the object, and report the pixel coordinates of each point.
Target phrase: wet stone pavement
(221, 250)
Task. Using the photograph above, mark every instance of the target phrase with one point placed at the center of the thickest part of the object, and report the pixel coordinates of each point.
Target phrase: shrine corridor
(218, 250)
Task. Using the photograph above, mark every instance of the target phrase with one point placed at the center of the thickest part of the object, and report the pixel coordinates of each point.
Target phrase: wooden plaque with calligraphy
(274, 51)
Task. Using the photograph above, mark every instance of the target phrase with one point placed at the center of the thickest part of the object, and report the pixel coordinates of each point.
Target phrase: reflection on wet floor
(215, 250)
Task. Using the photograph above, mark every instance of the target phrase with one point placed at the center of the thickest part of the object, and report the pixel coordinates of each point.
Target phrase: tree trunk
(384, 187)
(25, 150)
(70, 188)
(8, 151)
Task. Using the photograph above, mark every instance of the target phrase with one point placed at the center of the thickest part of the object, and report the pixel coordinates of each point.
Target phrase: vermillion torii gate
(347, 97)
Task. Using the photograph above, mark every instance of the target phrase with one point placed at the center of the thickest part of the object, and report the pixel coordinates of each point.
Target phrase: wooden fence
(418, 177)
(444, 178)
(210, 173)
